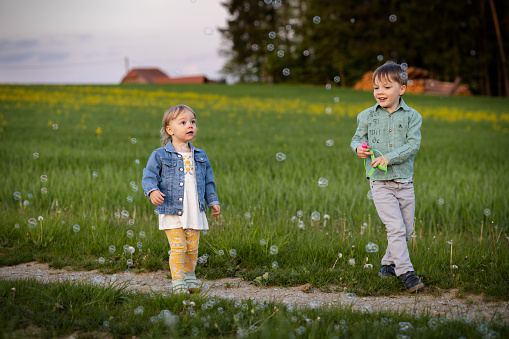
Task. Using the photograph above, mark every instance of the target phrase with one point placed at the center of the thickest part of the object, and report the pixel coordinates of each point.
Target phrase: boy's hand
(216, 210)
(382, 160)
(156, 197)
(363, 152)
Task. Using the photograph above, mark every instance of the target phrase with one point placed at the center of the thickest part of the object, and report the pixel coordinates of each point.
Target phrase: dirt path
(472, 307)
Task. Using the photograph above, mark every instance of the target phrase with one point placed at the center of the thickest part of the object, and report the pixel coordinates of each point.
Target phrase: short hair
(171, 114)
(391, 71)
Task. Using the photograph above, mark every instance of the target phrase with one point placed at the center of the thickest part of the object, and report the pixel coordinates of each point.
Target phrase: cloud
(53, 57)
(17, 57)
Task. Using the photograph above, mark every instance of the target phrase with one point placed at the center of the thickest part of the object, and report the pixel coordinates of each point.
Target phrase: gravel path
(472, 307)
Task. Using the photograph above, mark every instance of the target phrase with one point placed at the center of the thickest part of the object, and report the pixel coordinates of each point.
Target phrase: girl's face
(183, 128)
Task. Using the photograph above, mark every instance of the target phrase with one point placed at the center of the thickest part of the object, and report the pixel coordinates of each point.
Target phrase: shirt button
(179, 213)
(180, 169)
(390, 130)
(179, 156)
(182, 184)
(180, 199)
(390, 145)
(390, 115)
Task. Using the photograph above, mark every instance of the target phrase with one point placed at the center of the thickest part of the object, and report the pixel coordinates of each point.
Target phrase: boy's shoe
(387, 271)
(411, 281)
(191, 282)
(179, 286)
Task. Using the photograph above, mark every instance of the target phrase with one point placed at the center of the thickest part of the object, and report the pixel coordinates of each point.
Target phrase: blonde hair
(390, 71)
(171, 114)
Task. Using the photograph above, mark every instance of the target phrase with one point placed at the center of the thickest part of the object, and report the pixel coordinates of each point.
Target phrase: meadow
(72, 161)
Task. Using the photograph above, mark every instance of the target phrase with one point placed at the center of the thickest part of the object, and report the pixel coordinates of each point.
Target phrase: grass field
(83, 140)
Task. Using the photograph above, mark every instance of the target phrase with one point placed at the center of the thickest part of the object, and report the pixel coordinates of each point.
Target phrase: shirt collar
(401, 105)
(169, 147)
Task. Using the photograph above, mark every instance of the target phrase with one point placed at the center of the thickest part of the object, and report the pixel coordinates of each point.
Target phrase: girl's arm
(151, 175)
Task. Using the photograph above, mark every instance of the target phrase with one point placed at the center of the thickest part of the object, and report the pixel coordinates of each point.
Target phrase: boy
(392, 128)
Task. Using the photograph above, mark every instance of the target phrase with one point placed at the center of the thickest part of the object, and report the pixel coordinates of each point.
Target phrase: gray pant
(395, 204)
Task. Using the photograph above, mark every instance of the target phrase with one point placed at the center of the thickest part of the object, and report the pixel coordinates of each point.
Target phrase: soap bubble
(280, 156)
(94, 175)
(112, 249)
(106, 324)
(208, 31)
(305, 52)
(288, 27)
(317, 20)
(315, 216)
(17, 195)
(300, 214)
(273, 250)
(301, 330)
(131, 222)
(36, 155)
(133, 141)
(336, 99)
(102, 260)
(404, 66)
(30, 195)
(328, 110)
(254, 47)
(142, 234)
(329, 143)
(263, 242)
(233, 253)
(76, 228)
(404, 76)
(322, 182)
(369, 195)
(380, 57)
(134, 188)
(129, 199)
(405, 326)
(44, 178)
(139, 244)
(280, 53)
(129, 262)
(350, 297)
(247, 215)
(337, 78)
(117, 215)
(220, 252)
(44, 190)
(130, 233)
(286, 72)
(272, 35)
(125, 214)
(16, 226)
(393, 18)
(487, 212)
(137, 161)
(32, 222)
(433, 323)
(328, 86)
(275, 265)
(441, 201)
(270, 47)
(371, 247)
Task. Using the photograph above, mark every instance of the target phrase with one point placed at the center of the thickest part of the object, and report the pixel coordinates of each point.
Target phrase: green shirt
(396, 135)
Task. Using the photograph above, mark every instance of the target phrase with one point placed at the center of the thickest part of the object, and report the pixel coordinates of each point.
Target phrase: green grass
(49, 310)
(462, 160)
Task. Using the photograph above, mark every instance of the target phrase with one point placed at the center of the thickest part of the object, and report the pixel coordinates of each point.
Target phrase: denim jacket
(396, 135)
(165, 172)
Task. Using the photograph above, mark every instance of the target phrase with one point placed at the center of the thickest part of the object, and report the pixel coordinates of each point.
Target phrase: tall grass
(461, 160)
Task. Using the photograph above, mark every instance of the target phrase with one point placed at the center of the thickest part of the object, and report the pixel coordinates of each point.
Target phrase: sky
(89, 41)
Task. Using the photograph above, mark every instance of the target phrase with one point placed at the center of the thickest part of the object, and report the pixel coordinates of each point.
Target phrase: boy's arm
(413, 142)
(361, 134)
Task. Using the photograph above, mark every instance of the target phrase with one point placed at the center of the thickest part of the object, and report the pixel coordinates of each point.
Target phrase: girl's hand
(157, 197)
(363, 152)
(216, 210)
(380, 161)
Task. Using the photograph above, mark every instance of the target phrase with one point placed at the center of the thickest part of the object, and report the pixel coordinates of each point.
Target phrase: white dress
(191, 217)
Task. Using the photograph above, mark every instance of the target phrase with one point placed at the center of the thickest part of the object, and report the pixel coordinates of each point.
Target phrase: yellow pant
(184, 251)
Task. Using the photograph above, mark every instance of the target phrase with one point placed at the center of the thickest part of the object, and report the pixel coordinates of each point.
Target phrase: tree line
(317, 41)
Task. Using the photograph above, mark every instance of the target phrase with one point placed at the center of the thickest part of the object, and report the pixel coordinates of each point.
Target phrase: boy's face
(387, 93)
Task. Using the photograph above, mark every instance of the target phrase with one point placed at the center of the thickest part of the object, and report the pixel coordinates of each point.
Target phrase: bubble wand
(383, 168)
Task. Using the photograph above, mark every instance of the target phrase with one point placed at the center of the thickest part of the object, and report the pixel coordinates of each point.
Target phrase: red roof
(156, 76)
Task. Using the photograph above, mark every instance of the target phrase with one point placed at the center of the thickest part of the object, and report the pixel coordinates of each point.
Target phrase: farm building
(156, 76)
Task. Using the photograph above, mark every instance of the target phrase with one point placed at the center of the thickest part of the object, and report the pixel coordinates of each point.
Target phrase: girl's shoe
(179, 286)
(192, 283)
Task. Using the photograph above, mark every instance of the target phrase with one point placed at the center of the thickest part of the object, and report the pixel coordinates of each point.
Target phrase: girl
(179, 180)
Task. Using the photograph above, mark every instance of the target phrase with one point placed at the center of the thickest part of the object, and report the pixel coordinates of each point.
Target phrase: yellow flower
(98, 131)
